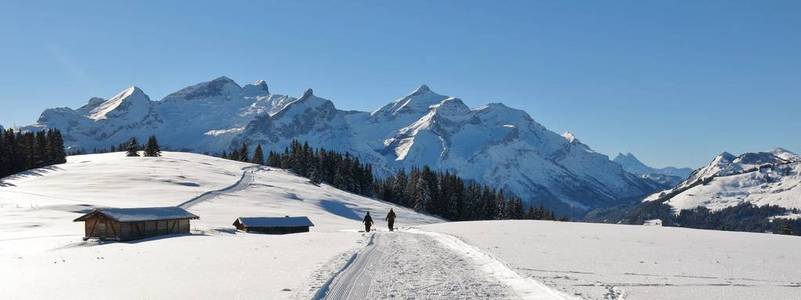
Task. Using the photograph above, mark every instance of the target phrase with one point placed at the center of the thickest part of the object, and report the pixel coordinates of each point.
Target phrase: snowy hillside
(761, 178)
(492, 144)
(44, 257)
(668, 176)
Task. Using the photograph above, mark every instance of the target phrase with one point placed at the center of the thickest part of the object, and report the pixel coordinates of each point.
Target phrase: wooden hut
(124, 224)
(277, 225)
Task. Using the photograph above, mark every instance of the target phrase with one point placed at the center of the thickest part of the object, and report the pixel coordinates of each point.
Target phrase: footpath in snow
(607, 261)
(43, 255)
(417, 264)
(248, 178)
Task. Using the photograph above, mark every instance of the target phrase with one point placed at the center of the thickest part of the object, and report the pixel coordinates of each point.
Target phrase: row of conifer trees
(439, 193)
(150, 149)
(21, 151)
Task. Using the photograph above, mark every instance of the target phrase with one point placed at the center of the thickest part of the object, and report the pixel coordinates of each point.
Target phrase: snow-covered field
(43, 256)
(605, 261)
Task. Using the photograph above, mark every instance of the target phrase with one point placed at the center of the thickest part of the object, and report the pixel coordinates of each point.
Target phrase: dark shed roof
(274, 222)
(141, 214)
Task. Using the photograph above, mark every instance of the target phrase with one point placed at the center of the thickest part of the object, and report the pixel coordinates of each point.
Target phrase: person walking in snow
(368, 221)
(390, 219)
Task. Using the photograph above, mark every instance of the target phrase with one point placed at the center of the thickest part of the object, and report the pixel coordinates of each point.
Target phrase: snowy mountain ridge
(492, 144)
(668, 176)
(760, 178)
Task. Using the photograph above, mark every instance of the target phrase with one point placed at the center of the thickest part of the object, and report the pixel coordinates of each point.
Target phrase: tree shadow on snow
(99, 242)
(35, 172)
(340, 209)
(161, 237)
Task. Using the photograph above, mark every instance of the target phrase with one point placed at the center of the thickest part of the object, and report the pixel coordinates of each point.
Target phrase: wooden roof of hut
(141, 214)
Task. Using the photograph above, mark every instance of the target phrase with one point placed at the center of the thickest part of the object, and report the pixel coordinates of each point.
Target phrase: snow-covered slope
(668, 176)
(493, 144)
(760, 178)
(44, 257)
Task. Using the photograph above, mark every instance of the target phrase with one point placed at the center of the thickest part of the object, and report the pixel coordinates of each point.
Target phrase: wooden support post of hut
(277, 225)
(124, 224)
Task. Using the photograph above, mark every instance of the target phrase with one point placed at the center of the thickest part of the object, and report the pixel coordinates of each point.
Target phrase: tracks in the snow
(403, 265)
(247, 179)
(349, 284)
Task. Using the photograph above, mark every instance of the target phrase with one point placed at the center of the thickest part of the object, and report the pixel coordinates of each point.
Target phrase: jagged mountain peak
(307, 94)
(132, 98)
(668, 176)
(499, 112)
(726, 155)
(500, 107)
(785, 154)
(57, 116)
(224, 79)
(304, 104)
(627, 155)
(450, 107)
(258, 88)
(628, 159)
(418, 102)
(133, 90)
(422, 89)
(95, 101)
(219, 87)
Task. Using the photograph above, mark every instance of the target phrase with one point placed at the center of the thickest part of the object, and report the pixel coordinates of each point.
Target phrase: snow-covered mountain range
(492, 144)
(668, 176)
(760, 178)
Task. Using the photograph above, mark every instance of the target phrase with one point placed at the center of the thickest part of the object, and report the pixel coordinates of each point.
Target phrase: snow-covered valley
(43, 254)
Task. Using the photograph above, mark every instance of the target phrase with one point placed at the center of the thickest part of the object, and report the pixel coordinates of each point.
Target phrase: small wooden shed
(124, 224)
(275, 225)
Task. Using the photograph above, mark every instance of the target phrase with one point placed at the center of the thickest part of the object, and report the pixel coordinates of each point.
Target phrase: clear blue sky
(674, 82)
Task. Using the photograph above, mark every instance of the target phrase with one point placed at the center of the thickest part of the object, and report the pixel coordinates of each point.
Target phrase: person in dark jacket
(368, 221)
(390, 219)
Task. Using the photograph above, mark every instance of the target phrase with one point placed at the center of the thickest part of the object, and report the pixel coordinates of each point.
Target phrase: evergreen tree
(40, 155)
(274, 160)
(133, 148)
(152, 149)
(786, 228)
(422, 189)
(20, 151)
(258, 156)
(398, 187)
(55, 147)
(4, 158)
(242, 153)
